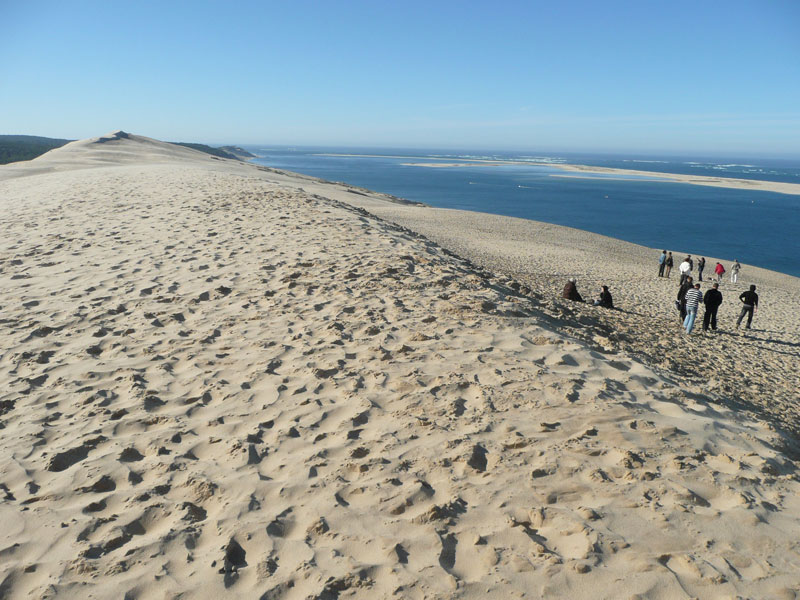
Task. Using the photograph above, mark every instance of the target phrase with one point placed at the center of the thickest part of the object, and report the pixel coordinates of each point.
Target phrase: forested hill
(208, 150)
(238, 152)
(14, 148)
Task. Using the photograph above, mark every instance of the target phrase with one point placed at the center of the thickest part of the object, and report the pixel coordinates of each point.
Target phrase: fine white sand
(222, 379)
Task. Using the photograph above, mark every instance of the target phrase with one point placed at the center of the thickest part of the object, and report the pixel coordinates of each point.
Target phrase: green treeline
(238, 152)
(207, 149)
(14, 148)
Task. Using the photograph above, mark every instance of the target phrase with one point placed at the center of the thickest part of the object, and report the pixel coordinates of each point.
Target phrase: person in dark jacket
(670, 263)
(685, 287)
(571, 291)
(605, 298)
(750, 300)
(701, 264)
(712, 300)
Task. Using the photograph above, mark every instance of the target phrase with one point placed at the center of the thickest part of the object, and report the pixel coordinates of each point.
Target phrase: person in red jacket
(719, 271)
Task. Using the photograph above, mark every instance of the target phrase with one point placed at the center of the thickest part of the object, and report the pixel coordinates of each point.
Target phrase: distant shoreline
(575, 171)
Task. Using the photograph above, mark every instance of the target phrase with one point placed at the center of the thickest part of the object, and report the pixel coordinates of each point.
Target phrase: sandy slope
(220, 379)
(757, 370)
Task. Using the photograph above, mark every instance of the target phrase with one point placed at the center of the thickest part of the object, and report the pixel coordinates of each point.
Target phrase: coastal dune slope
(756, 369)
(215, 380)
(115, 148)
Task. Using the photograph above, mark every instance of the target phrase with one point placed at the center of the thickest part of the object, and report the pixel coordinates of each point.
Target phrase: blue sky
(702, 77)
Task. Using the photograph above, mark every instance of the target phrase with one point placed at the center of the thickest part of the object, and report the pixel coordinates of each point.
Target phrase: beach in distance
(722, 182)
(719, 181)
(226, 378)
(731, 209)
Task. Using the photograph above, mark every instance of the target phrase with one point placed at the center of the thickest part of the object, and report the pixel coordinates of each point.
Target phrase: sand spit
(221, 378)
(589, 171)
(722, 182)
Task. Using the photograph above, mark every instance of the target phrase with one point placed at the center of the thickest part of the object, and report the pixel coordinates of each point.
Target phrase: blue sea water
(756, 227)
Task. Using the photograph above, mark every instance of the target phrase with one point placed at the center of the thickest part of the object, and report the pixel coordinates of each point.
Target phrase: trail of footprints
(297, 400)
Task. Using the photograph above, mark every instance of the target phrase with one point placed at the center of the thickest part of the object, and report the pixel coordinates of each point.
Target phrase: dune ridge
(112, 149)
(219, 378)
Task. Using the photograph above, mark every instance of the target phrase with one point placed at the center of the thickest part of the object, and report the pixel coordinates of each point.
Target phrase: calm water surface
(759, 228)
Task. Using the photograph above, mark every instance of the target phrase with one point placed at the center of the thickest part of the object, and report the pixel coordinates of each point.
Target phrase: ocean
(756, 227)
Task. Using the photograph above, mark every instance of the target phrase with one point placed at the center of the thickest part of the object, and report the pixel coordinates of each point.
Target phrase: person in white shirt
(735, 271)
(685, 268)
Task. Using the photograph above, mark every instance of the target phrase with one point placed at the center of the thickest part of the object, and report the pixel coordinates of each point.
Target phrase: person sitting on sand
(571, 291)
(605, 298)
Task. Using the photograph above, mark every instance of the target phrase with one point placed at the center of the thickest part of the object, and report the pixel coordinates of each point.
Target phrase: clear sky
(708, 76)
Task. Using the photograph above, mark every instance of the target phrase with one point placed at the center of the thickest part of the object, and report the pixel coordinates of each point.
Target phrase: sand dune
(223, 379)
(113, 149)
(758, 370)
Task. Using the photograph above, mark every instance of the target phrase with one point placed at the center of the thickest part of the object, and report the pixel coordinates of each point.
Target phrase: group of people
(571, 293)
(690, 296)
(666, 262)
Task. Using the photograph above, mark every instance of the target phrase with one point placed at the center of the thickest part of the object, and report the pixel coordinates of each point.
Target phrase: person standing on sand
(735, 271)
(670, 263)
(712, 300)
(571, 291)
(691, 262)
(662, 262)
(750, 299)
(685, 268)
(693, 298)
(719, 271)
(685, 287)
(701, 264)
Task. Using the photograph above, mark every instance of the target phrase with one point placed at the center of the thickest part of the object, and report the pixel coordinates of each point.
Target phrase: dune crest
(113, 149)
(222, 378)
(114, 135)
